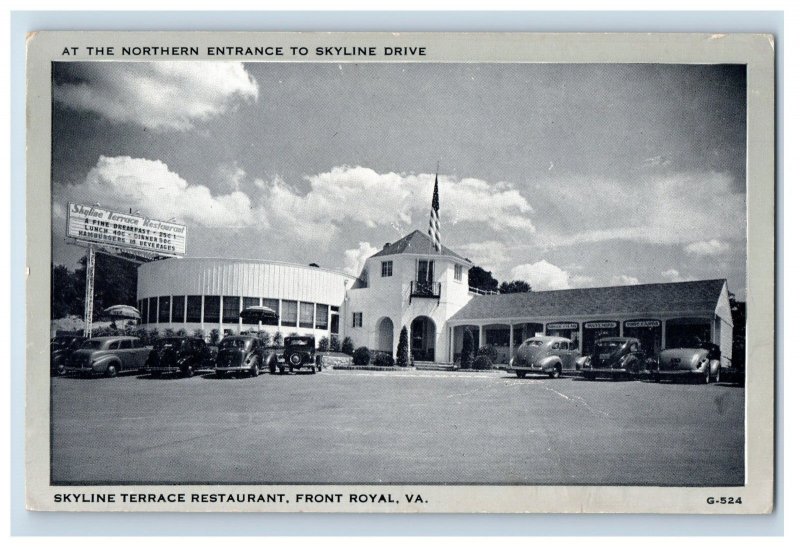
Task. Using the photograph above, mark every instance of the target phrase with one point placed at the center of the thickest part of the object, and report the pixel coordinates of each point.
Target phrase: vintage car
(615, 358)
(109, 355)
(180, 355)
(549, 355)
(61, 347)
(701, 363)
(299, 352)
(243, 354)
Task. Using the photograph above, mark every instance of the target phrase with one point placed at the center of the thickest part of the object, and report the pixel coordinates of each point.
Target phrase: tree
(323, 344)
(481, 279)
(466, 349)
(518, 285)
(64, 296)
(402, 348)
(739, 316)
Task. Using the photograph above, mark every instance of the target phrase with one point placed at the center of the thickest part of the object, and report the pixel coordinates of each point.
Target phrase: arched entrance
(385, 334)
(423, 338)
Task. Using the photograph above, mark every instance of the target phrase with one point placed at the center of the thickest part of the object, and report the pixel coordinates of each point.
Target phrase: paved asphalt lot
(395, 427)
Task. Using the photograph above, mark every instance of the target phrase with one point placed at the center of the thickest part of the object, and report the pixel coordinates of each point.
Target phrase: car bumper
(682, 372)
(241, 368)
(515, 368)
(162, 370)
(608, 372)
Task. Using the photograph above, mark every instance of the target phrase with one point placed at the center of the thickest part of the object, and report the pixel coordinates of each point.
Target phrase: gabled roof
(415, 243)
(641, 300)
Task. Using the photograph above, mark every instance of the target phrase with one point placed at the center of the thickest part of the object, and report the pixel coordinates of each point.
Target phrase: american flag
(433, 225)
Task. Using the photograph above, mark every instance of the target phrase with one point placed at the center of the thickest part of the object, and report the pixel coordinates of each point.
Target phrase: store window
(289, 313)
(306, 315)
(211, 309)
(458, 272)
(143, 310)
(357, 319)
(386, 268)
(178, 308)
(193, 308)
(152, 310)
(230, 309)
(321, 321)
(163, 309)
(273, 304)
(249, 302)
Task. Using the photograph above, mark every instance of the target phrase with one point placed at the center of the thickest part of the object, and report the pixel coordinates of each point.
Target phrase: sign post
(88, 309)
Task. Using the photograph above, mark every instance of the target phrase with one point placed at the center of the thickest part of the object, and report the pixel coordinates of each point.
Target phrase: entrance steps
(430, 365)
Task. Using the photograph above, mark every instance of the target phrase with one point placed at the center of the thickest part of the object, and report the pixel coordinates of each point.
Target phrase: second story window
(458, 271)
(386, 268)
(357, 319)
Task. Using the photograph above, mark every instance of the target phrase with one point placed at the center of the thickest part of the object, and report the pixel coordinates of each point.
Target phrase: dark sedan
(615, 358)
(180, 355)
(243, 354)
(61, 347)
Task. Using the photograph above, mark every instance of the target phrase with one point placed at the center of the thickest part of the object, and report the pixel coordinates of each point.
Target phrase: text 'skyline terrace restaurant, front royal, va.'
(419, 283)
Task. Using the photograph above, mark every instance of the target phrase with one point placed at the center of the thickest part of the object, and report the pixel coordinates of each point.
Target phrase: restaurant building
(410, 283)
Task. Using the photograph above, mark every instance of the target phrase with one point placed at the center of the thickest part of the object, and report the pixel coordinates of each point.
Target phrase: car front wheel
(521, 374)
(111, 371)
(555, 373)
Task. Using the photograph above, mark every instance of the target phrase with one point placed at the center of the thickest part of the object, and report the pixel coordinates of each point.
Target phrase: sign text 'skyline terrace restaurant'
(419, 283)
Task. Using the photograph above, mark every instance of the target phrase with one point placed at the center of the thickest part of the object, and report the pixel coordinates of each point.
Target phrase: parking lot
(395, 427)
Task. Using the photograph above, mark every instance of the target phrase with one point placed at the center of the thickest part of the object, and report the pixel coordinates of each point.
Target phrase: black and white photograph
(349, 272)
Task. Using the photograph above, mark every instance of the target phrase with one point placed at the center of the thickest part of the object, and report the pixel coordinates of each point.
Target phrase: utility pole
(88, 309)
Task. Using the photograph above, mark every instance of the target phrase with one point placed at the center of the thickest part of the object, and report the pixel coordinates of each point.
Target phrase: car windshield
(608, 346)
(92, 344)
(169, 343)
(534, 343)
(302, 342)
(237, 343)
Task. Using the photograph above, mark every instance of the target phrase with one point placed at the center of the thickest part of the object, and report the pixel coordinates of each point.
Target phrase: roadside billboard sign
(93, 224)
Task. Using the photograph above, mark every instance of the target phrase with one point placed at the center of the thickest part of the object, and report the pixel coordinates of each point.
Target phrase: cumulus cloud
(164, 95)
(674, 276)
(149, 186)
(623, 279)
(543, 276)
(361, 195)
(707, 248)
(682, 208)
(486, 254)
(354, 259)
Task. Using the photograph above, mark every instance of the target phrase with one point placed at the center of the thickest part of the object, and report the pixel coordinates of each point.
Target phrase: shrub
(347, 346)
(169, 333)
(323, 344)
(383, 359)
(152, 336)
(361, 357)
(402, 348)
(181, 332)
(213, 337)
(466, 350)
(488, 351)
(482, 362)
(264, 336)
(277, 339)
(199, 333)
(334, 344)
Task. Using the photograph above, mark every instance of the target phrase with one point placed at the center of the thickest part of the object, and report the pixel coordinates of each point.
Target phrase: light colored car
(700, 363)
(109, 355)
(551, 355)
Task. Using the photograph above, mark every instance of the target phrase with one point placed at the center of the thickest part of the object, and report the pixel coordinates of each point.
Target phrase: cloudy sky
(562, 175)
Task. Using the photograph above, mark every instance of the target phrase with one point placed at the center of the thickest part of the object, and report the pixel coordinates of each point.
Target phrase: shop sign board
(101, 226)
(601, 325)
(642, 323)
(562, 326)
